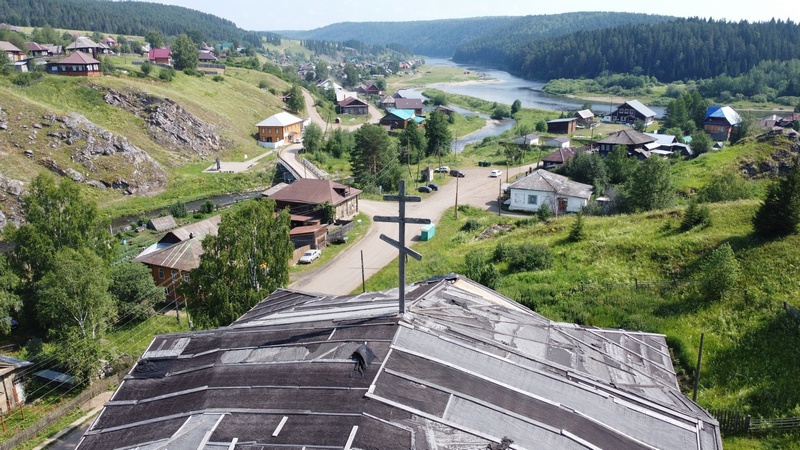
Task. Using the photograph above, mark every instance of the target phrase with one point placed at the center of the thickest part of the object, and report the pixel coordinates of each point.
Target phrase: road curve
(374, 115)
(342, 275)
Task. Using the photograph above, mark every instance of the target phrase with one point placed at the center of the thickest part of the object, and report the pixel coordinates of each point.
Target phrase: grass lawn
(431, 75)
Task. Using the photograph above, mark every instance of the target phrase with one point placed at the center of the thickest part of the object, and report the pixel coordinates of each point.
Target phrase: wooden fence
(734, 422)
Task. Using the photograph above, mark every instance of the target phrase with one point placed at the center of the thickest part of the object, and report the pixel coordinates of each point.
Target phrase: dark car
(434, 187)
(457, 173)
(425, 189)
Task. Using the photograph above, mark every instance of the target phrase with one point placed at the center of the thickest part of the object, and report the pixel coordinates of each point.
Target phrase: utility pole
(697, 372)
(457, 197)
(363, 278)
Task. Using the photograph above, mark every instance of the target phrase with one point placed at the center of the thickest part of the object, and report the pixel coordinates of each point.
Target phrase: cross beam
(400, 244)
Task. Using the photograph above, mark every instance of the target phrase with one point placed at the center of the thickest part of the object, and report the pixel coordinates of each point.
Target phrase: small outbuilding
(562, 126)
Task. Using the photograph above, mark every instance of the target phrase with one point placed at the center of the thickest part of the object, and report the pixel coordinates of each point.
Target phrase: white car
(310, 256)
(443, 169)
(496, 173)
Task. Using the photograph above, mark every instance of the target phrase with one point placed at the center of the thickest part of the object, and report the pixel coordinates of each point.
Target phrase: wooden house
(414, 104)
(632, 140)
(720, 122)
(559, 157)
(12, 51)
(35, 50)
(160, 56)
(399, 118)
(353, 106)
(585, 117)
(631, 111)
(313, 236)
(76, 64)
(279, 129)
(305, 197)
(562, 126)
(85, 45)
(12, 379)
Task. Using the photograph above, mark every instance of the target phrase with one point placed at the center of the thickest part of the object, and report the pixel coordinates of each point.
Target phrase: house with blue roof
(720, 122)
(399, 118)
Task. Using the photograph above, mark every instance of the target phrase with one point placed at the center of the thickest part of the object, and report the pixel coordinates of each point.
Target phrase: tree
(587, 168)
(725, 187)
(477, 267)
(340, 143)
(208, 207)
(184, 53)
(779, 214)
(351, 77)
(134, 291)
(701, 142)
(742, 130)
(154, 38)
(321, 69)
(650, 186)
(413, 140)
(437, 134)
(56, 217)
(242, 264)
(73, 295)
(719, 272)
(374, 159)
(146, 68)
(577, 233)
(619, 166)
(696, 215)
(5, 68)
(516, 106)
(179, 210)
(312, 138)
(10, 302)
(501, 112)
(295, 101)
(541, 126)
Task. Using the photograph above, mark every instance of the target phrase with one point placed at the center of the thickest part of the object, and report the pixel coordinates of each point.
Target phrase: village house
(541, 187)
(279, 129)
(634, 142)
(459, 367)
(561, 142)
(559, 157)
(720, 122)
(585, 117)
(399, 118)
(414, 104)
(631, 111)
(85, 45)
(172, 259)
(562, 126)
(35, 50)
(109, 42)
(353, 106)
(12, 382)
(306, 198)
(527, 140)
(160, 56)
(666, 145)
(12, 51)
(77, 64)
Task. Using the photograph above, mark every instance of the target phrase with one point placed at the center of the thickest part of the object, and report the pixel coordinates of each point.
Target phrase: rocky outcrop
(10, 207)
(780, 162)
(108, 159)
(168, 123)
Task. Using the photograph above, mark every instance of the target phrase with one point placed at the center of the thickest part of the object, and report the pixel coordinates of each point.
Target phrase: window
(186, 277)
(160, 273)
(533, 199)
(174, 275)
(269, 130)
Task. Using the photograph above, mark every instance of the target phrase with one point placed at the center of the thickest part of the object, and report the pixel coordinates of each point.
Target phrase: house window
(533, 199)
(160, 273)
(269, 130)
(174, 275)
(186, 277)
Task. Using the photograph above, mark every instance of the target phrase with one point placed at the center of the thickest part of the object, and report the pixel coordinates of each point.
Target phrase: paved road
(342, 275)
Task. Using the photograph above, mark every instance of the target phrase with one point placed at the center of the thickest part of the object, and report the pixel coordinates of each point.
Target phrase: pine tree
(779, 215)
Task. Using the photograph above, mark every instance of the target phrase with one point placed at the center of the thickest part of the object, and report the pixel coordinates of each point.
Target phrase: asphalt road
(342, 275)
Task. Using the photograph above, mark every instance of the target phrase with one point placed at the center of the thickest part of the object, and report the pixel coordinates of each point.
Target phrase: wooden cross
(401, 244)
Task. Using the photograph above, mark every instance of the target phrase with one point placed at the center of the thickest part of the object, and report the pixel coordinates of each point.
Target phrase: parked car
(310, 256)
(442, 169)
(433, 186)
(457, 173)
(495, 173)
(425, 189)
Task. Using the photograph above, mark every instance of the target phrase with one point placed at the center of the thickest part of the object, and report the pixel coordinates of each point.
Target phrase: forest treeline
(127, 17)
(681, 49)
(442, 37)
(333, 48)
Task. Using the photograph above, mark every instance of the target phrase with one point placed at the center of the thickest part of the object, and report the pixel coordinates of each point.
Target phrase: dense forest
(442, 37)
(679, 50)
(332, 48)
(128, 17)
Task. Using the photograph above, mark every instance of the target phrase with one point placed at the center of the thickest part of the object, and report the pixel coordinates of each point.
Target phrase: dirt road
(342, 275)
(374, 115)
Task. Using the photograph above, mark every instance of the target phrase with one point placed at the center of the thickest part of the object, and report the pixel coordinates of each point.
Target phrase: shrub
(544, 213)
(471, 225)
(718, 272)
(529, 257)
(146, 68)
(166, 74)
(696, 215)
(501, 252)
(779, 215)
(192, 72)
(218, 78)
(263, 84)
(179, 210)
(725, 187)
(576, 233)
(208, 207)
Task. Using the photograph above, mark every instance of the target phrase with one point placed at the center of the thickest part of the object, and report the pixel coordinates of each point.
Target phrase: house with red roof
(305, 197)
(162, 56)
(35, 50)
(76, 64)
(108, 41)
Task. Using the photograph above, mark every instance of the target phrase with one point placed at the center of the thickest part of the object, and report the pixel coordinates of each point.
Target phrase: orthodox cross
(401, 243)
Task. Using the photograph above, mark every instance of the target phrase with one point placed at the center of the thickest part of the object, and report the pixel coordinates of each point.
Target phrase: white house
(543, 187)
(561, 142)
(528, 139)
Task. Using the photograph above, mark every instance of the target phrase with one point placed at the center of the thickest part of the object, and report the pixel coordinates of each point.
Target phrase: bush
(501, 252)
(146, 68)
(208, 207)
(166, 74)
(576, 233)
(471, 225)
(530, 257)
(218, 78)
(179, 210)
(719, 272)
(263, 84)
(544, 213)
(191, 72)
(696, 215)
(725, 187)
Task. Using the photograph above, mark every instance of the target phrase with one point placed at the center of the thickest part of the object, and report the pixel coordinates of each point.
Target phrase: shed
(428, 231)
(162, 223)
(562, 126)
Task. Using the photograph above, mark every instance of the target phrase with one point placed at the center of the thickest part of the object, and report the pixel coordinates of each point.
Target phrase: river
(502, 87)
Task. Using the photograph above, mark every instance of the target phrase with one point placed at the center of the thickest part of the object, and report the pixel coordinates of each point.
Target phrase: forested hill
(491, 48)
(676, 50)
(442, 37)
(128, 17)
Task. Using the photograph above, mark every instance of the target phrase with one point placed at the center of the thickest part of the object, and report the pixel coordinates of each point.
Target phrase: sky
(261, 15)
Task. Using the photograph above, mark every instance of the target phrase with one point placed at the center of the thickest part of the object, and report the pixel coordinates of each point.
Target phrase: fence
(95, 389)
(340, 233)
(734, 422)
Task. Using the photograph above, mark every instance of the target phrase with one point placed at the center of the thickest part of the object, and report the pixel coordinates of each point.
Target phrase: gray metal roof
(463, 367)
(546, 181)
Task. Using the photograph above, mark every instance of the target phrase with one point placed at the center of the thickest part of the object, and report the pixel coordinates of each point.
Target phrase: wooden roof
(315, 192)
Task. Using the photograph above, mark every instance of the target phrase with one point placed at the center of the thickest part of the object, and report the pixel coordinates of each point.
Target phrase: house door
(562, 205)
